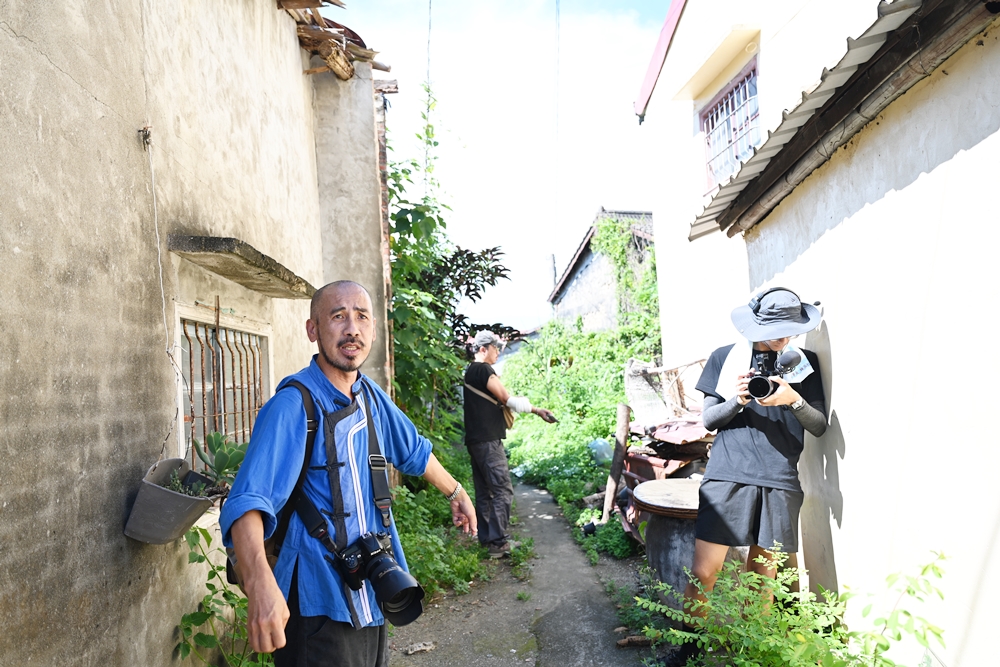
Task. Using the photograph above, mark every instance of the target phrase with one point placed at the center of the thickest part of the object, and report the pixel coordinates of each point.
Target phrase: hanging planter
(162, 515)
(173, 496)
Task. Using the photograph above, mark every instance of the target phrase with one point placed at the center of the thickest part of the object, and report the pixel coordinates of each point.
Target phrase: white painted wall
(701, 282)
(897, 235)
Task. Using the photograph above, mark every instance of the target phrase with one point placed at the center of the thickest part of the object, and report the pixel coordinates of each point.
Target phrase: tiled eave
(905, 44)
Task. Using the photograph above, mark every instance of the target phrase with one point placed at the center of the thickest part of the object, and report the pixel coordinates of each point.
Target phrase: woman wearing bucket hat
(750, 495)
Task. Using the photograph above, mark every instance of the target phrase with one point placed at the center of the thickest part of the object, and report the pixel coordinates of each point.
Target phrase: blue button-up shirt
(272, 465)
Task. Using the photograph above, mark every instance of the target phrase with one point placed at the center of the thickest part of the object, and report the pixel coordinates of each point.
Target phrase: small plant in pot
(172, 496)
(222, 460)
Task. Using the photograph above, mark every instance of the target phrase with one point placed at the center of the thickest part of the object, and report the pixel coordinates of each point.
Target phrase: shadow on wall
(918, 130)
(819, 474)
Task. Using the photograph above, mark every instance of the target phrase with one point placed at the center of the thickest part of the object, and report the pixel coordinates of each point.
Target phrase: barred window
(731, 126)
(225, 381)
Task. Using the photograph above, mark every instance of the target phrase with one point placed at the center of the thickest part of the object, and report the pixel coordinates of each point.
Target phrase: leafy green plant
(438, 555)
(523, 596)
(222, 458)
(611, 539)
(430, 278)
(175, 484)
(739, 623)
(220, 624)
(630, 614)
(520, 556)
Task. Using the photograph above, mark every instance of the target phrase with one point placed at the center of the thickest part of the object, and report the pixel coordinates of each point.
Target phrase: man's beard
(348, 365)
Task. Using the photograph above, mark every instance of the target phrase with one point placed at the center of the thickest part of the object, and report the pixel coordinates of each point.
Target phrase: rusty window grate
(732, 127)
(225, 373)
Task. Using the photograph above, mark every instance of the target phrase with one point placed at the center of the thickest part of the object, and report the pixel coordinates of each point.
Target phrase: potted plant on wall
(172, 496)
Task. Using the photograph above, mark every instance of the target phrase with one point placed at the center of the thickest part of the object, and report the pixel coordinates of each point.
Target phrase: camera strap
(377, 464)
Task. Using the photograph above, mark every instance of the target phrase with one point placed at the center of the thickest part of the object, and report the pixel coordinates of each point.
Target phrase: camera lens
(398, 592)
(760, 386)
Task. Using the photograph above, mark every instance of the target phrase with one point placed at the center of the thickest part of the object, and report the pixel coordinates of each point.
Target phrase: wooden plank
(299, 4)
(618, 460)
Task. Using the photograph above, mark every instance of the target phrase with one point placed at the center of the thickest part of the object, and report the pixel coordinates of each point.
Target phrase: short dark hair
(318, 296)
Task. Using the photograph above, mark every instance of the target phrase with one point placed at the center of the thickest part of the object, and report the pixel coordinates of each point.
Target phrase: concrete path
(564, 617)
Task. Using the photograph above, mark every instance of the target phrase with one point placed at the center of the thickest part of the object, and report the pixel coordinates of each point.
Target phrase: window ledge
(242, 263)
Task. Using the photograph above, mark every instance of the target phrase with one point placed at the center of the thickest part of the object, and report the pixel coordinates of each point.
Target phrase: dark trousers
(494, 493)
(318, 641)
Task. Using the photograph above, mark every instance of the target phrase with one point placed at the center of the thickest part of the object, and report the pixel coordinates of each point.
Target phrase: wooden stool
(673, 507)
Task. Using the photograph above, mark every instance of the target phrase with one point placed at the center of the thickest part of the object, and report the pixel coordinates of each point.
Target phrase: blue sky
(534, 138)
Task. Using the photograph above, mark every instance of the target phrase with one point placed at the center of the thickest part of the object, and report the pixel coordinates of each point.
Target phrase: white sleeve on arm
(519, 404)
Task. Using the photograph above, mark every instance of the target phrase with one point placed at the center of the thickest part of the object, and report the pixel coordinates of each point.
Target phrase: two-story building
(846, 151)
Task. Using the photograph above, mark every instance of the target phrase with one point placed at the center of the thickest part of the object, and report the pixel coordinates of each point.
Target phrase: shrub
(438, 555)
(739, 623)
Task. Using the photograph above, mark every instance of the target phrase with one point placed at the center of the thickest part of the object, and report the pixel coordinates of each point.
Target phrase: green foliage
(438, 555)
(634, 263)
(430, 277)
(220, 624)
(520, 556)
(611, 539)
(523, 596)
(632, 615)
(221, 457)
(741, 625)
(579, 376)
(175, 484)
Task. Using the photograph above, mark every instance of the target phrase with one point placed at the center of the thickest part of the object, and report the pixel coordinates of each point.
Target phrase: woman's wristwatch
(797, 405)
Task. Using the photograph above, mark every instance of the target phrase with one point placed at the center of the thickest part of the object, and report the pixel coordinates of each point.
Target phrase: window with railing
(731, 126)
(225, 381)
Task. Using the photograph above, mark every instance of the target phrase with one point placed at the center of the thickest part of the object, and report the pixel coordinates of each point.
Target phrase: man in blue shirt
(327, 624)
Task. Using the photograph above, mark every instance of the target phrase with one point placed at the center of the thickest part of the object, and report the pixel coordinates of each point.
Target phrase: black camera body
(768, 365)
(370, 557)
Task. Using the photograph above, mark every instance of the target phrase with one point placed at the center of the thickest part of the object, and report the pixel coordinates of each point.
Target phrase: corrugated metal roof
(859, 51)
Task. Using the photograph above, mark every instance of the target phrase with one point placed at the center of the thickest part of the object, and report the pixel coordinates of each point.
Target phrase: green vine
(220, 623)
(634, 263)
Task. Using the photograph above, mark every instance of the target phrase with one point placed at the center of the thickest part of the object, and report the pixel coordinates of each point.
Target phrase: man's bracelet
(454, 494)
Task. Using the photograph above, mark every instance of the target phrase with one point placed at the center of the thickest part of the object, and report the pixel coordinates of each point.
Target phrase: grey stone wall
(87, 394)
(590, 294)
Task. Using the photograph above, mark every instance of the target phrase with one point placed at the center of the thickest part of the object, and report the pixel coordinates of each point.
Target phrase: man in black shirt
(750, 495)
(485, 429)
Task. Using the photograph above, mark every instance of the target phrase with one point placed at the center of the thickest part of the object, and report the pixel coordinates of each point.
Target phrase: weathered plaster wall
(87, 396)
(350, 196)
(897, 235)
(590, 294)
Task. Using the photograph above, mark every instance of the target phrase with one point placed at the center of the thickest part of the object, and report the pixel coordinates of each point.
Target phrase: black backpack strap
(377, 464)
(312, 426)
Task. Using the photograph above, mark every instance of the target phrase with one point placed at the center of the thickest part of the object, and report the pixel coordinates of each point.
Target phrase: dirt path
(564, 617)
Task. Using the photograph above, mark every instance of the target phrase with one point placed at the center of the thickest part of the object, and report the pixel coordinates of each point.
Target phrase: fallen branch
(635, 640)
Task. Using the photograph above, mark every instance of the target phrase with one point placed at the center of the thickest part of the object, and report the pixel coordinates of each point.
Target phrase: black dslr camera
(371, 558)
(767, 366)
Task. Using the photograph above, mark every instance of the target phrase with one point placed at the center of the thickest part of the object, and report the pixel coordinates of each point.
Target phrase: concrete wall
(896, 235)
(350, 196)
(590, 294)
(87, 395)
